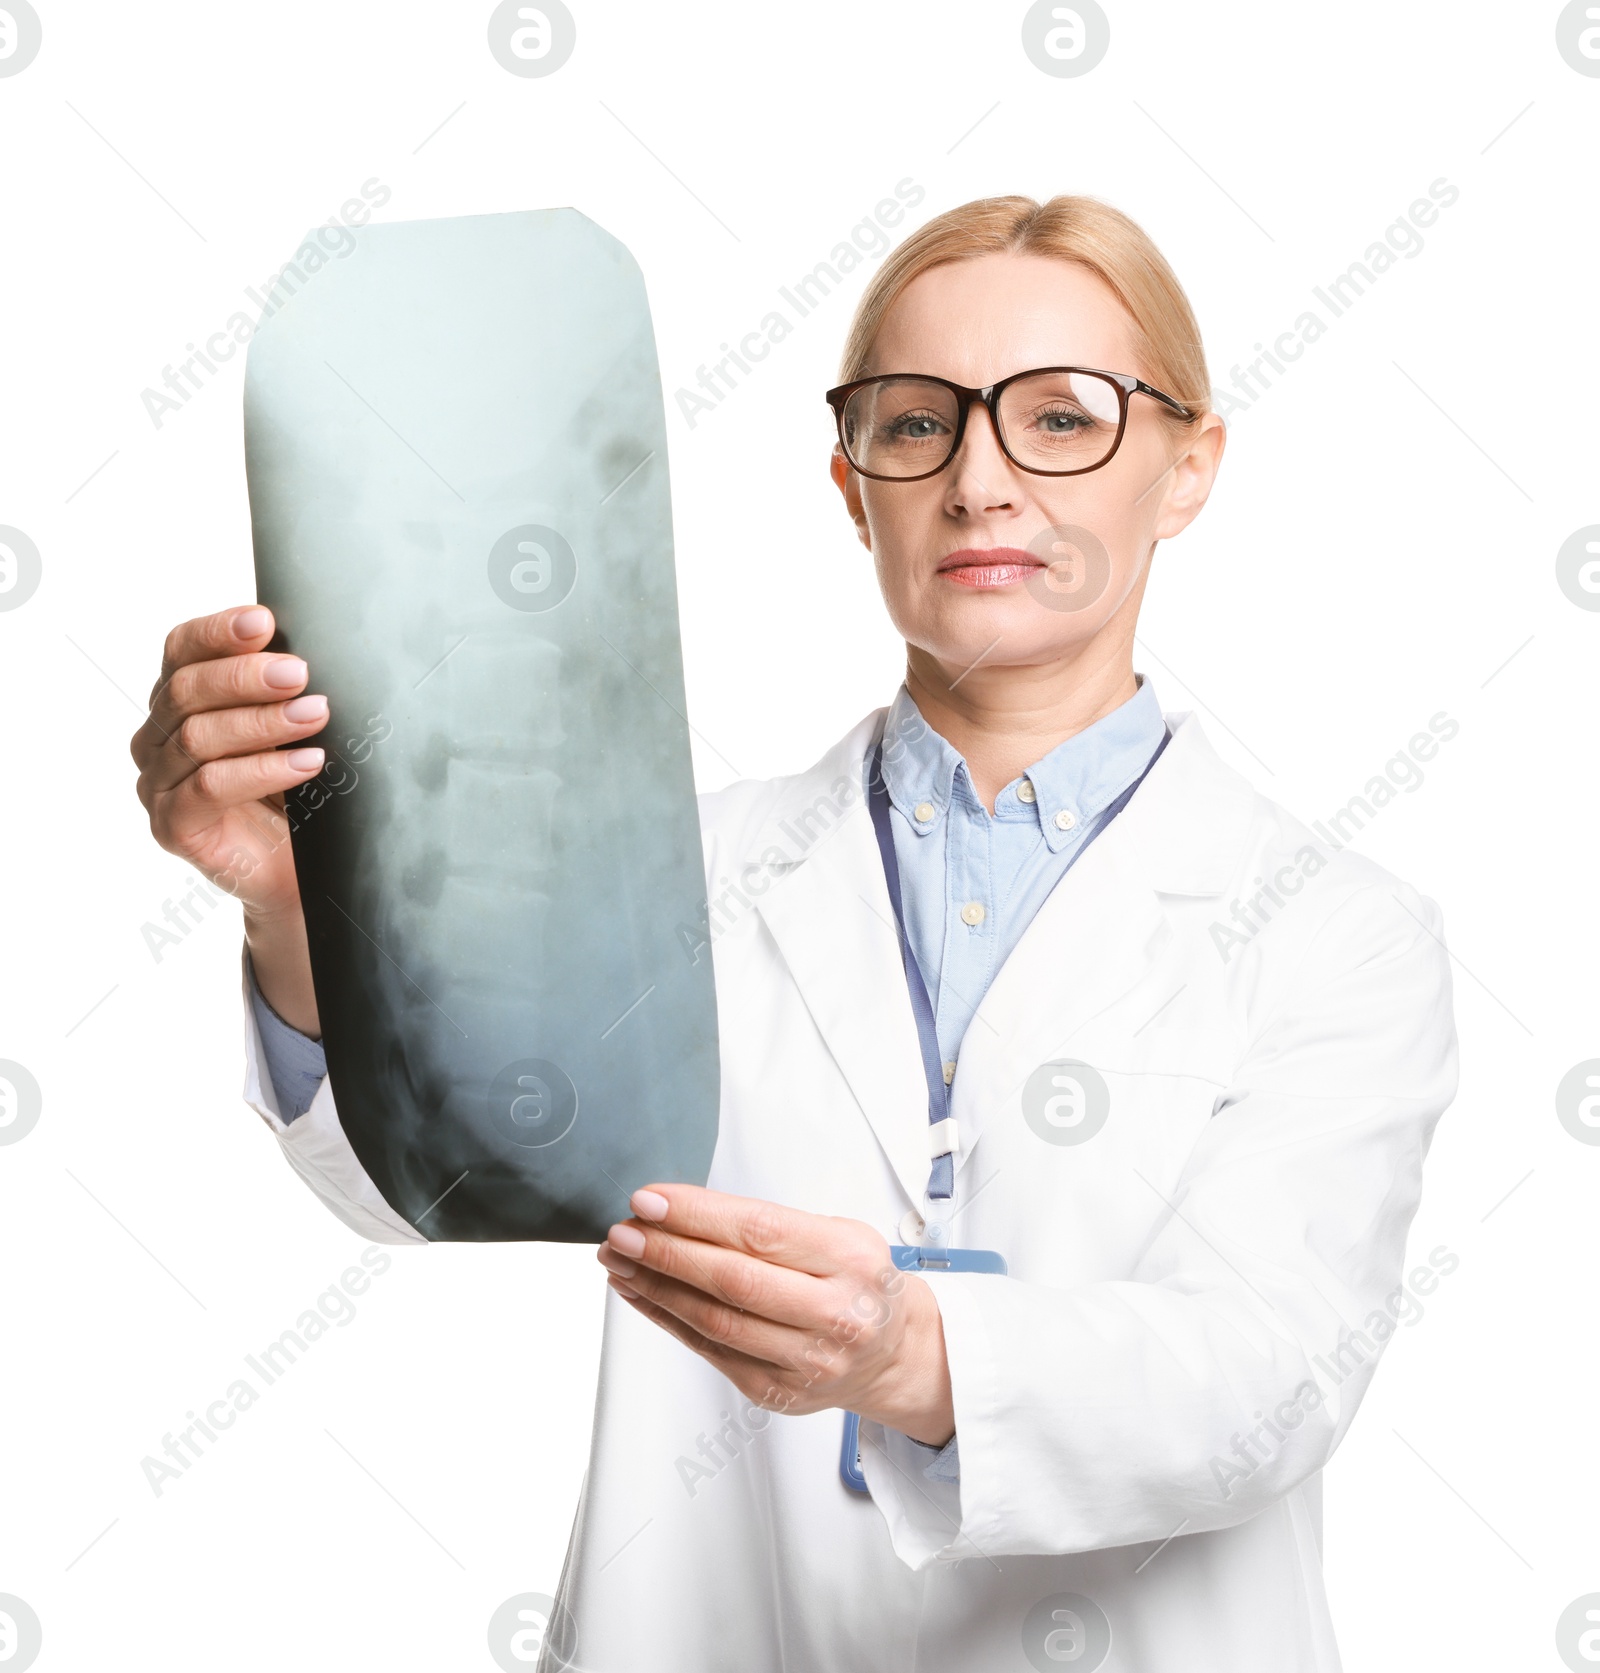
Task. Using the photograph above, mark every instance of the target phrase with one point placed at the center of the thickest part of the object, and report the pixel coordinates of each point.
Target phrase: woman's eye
(914, 426)
(1063, 421)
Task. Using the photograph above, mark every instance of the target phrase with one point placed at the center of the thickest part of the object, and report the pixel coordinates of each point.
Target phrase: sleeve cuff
(315, 1146)
(922, 1508)
(939, 1463)
(294, 1062)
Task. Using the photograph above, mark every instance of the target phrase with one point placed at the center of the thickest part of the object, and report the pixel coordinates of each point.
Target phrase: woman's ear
(849, 484)
(1193, 473)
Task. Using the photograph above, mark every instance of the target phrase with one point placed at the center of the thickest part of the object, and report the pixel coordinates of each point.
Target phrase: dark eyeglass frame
(1124, 383)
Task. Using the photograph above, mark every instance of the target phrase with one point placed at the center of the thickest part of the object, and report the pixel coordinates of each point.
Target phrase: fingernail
(285, 672)
(305, 708)
(649, 1205)
(613, 1262)
(622, 1289)
(305, 760)
(251, 624)
(628, 1239)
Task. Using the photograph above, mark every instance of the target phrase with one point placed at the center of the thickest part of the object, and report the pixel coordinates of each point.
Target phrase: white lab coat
(1178, 1280)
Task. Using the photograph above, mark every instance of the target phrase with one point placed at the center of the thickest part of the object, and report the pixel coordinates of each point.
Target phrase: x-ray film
(457, 468)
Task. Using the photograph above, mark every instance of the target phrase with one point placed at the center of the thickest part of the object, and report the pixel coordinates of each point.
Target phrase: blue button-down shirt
(970, 881)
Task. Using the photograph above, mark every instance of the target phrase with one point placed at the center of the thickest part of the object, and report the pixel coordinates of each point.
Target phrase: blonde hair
(1116, 249)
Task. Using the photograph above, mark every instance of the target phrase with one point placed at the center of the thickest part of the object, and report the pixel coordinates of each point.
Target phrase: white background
(1363, 565)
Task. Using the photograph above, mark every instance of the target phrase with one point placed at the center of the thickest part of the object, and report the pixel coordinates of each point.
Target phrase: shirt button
(1026, 791)
(949, 1073)
(1066, 819)
(922, 812)
(972, 913)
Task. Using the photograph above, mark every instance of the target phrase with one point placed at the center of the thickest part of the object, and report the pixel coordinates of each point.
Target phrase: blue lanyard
(941, 1181)
(943, 1138)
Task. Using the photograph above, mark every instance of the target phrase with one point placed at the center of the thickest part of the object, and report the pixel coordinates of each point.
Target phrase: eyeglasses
(1053, 421)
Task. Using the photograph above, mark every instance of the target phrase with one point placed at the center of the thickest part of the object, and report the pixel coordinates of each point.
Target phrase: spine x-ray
(457, 470)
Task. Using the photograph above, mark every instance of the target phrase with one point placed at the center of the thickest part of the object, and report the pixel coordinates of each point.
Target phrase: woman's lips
(994, 566)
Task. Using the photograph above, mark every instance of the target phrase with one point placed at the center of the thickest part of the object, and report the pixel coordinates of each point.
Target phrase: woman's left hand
(799, 1311)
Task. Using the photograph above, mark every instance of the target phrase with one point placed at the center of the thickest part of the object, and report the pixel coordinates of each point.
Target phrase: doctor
(1141, 1094)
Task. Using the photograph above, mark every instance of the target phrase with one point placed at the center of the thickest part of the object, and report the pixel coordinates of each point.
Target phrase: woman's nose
(980, 473)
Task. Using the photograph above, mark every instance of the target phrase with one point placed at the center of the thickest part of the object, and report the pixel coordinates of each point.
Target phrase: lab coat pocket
(1202, 1055)
(1161, 1087)
(1092, 1143)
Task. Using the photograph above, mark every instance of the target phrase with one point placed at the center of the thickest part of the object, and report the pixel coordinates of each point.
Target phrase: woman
(1172, 1067)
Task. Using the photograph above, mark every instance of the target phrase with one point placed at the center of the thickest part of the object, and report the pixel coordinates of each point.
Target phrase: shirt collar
(919, 766)
(1076, 781)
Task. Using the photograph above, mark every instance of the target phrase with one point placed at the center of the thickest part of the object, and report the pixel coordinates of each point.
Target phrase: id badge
(910, 1257)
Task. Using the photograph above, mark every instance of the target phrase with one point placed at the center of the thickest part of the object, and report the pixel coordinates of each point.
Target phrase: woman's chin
(1027, 637)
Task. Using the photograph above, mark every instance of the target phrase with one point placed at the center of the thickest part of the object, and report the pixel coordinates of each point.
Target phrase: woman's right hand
(212, 779)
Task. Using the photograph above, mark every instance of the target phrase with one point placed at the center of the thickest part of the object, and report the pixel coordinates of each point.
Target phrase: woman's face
(988, 561)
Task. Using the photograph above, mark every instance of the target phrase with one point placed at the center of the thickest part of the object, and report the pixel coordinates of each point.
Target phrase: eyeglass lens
(1049, 421)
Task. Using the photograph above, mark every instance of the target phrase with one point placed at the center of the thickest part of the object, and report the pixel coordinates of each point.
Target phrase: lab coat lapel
(830, 915)
(1099, 932)
(1103, 927)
